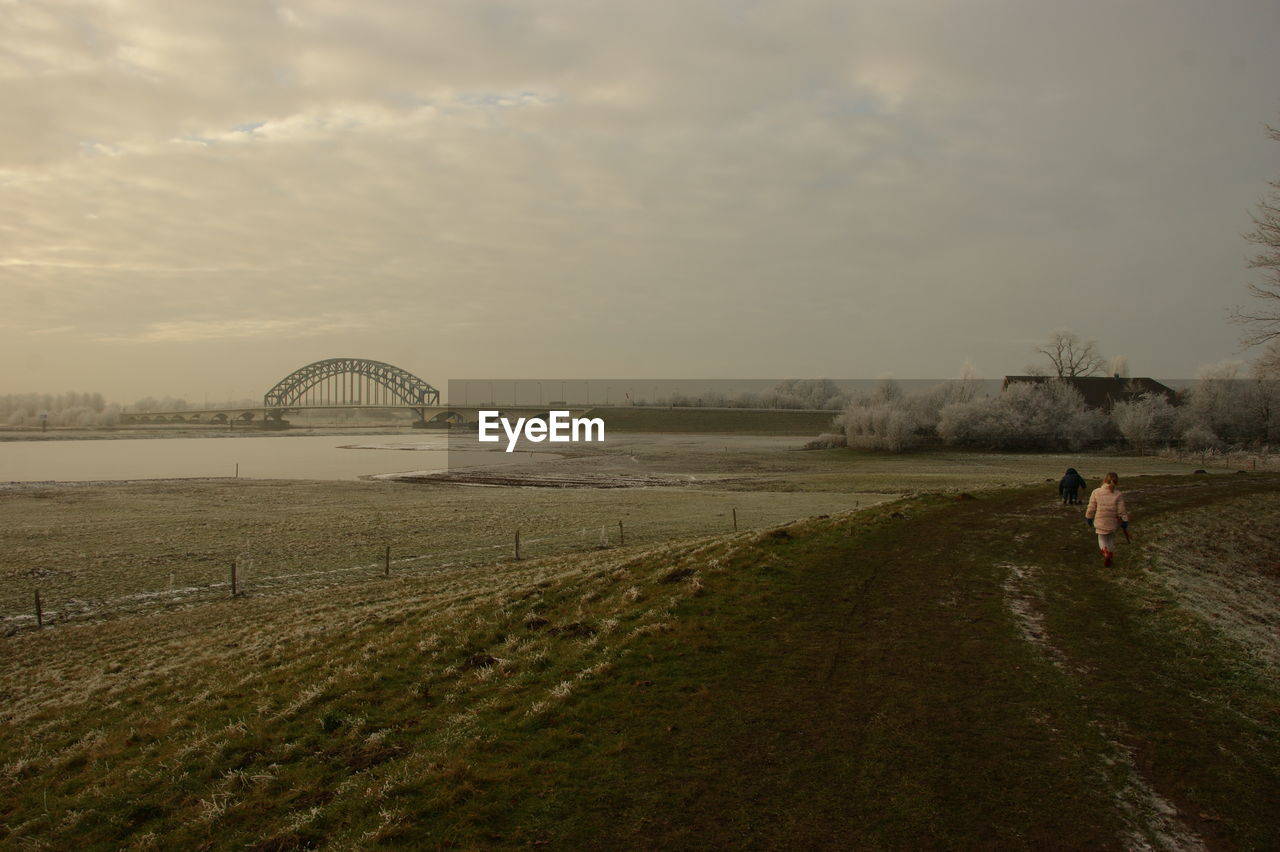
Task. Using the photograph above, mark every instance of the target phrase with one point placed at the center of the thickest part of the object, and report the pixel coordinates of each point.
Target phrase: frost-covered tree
(818, 394)
(884, 426)
(1226, 405)
(889, 419)
(879, 420)
(1047, 415)
(1145, 421)
(1236, 406)
(1197, 439)
(65, 409)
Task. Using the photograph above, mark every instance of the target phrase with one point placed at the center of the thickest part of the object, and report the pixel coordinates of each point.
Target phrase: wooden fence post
(386, 569)
(517, 544)
(39, 611)
(233, 578)
(622, 537)
(735, 520)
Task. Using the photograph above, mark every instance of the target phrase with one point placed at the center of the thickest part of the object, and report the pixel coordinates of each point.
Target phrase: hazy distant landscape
(296, 298)
(880, 589)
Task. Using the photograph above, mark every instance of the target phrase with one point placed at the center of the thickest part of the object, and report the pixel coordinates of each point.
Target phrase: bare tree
(1072, 356)
(967, 388)
(1268, 364)
(1263, 324)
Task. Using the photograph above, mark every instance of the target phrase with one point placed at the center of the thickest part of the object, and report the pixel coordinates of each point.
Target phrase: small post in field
(735, 520)
(233, 578)
(517, 544)
(39, 611)
(386, 565)
(622, 538)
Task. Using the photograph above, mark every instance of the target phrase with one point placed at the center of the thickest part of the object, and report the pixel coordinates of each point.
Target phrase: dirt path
(965, 673)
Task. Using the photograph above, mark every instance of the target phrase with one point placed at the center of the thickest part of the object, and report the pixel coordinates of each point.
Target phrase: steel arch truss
(350, 382)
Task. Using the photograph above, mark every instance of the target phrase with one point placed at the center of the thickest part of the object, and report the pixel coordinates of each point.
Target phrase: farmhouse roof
(1103, 392)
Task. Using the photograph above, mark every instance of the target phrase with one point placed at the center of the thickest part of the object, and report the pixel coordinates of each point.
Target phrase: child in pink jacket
(1106, 514)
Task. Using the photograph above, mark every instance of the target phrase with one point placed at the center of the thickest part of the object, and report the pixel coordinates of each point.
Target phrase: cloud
(192, 331)
(873, 187)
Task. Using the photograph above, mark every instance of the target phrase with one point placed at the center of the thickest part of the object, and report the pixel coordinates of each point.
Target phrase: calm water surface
(279, 457)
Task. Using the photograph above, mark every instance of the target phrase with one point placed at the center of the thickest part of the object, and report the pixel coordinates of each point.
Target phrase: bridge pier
(447, 419)
(440, 421)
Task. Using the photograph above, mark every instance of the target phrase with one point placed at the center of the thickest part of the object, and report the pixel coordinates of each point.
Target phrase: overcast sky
(199, 198)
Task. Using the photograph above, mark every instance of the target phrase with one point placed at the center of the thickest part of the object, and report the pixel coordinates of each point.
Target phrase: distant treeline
(85, 409)
(63, 409)
(807, 394)
(1221, 411)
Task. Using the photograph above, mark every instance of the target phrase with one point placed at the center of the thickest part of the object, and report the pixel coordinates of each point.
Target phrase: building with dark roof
(1103, 392)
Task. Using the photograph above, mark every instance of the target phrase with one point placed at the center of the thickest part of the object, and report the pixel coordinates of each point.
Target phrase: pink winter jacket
(1106, 507)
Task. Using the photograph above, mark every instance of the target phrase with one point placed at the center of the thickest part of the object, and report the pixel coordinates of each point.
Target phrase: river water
(276, 457)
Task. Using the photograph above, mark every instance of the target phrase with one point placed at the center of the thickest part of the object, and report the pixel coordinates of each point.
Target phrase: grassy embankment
(937, 671)
(105, 549)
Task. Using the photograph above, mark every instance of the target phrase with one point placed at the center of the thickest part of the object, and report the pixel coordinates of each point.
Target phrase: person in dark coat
(1069, 487)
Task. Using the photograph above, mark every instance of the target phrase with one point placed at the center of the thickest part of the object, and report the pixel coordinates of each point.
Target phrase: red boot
(1106, 558)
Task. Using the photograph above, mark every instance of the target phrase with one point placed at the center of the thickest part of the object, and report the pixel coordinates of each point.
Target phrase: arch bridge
(350, 383)
(328, 384)
(335, 383)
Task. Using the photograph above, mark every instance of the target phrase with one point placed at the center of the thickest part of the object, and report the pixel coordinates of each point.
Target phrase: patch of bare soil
(1020, 597)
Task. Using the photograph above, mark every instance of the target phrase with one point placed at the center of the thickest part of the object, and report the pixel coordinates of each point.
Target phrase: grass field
(131, 546)
(92, 550)
(929, 671)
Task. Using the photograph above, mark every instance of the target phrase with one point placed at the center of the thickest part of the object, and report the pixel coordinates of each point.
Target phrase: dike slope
(935, 672)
